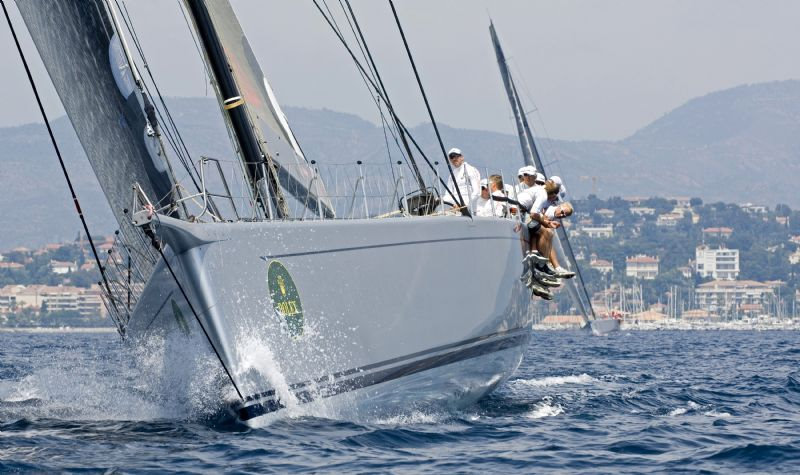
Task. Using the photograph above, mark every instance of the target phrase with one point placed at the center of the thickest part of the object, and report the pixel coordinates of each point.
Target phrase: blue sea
(659, 401)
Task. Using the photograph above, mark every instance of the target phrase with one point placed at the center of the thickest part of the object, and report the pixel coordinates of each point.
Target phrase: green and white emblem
(285, 297)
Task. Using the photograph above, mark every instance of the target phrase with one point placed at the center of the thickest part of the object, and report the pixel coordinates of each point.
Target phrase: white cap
(484, 183)
(527, 170)
(557, 180)
(539, 178)
(454, 151)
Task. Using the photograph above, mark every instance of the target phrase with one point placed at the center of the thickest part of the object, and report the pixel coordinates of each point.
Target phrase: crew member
(526, 177)
(467, 180)
(494, 205)
(541, 230)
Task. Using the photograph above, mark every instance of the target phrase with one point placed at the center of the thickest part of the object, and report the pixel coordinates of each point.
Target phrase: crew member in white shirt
(486, 205)
(526, 176)
(467, 179)
(540, 228)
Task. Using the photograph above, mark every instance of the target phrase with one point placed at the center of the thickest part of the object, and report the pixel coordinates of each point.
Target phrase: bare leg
(527, 240)
(553, 256)
(545, 241)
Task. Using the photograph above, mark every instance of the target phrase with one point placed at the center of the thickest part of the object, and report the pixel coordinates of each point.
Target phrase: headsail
(84, 57)
(575, 287)
(269, 122)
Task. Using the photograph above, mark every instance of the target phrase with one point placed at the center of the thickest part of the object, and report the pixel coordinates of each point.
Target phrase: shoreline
(687, 326)
(58, 330)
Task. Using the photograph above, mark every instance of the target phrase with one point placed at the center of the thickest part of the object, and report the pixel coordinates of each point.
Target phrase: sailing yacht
(379, 311)
(530, 152)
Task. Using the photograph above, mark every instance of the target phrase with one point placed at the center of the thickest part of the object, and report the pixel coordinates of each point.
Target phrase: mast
(257, 165)
(531, 155)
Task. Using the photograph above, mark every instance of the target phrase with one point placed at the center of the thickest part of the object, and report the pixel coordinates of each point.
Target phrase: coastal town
(675, 260)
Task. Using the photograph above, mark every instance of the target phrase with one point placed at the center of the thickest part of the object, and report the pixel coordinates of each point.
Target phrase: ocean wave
(556, 380)
(545, 409)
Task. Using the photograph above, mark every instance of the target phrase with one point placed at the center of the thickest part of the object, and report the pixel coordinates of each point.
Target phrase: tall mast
(258, 167)
(531, 154)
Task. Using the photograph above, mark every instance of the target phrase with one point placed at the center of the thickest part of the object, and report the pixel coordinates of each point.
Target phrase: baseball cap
(484, 183)
(557, 180)
(454, 151)
(539, 178)
(527, 170)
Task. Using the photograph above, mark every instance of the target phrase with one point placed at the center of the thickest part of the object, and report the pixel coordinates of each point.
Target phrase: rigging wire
(464, 208)
(196, 44)
(197, 317)
(375, 99)
(58, 152)
(375, 87)
(374, 68)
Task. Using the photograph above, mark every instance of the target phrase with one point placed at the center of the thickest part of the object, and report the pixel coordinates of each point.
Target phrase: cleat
(546, 279)
(562, 273)
(541, 292)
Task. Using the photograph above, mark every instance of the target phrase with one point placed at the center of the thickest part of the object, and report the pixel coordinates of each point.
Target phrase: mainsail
(268, 121)
(575, 287)
(114, 121)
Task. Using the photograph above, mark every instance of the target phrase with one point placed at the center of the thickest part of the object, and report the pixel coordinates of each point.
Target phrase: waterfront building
(642, 267)
(753, 209)
(605, 213)
(729, 295)
(605, 231)
(719, 263)
(87, 302)
(669, 220)
(62, 267)
(601, 265)
(719, 233)
(642, 211)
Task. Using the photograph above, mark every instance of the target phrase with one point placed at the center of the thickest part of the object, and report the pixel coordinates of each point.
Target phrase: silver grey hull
(367, 315)
(605, 326)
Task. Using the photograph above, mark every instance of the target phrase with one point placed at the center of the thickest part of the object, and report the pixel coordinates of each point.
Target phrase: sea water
(634, 401)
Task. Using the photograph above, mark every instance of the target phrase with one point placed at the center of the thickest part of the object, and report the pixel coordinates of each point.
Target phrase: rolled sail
(88, 67)
(269, 121)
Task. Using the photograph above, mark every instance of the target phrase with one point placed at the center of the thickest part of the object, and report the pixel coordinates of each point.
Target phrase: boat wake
(556, 381)
(132, 384)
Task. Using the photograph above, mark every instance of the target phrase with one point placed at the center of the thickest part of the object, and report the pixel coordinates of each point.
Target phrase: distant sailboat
(575, 287)
(380, 311)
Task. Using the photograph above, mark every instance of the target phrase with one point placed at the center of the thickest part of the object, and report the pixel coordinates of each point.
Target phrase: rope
(58, 152)
(428, 106)
(374, 68)
(377, 90)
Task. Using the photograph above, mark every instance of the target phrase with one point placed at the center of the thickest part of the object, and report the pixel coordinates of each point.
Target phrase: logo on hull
(285, 297)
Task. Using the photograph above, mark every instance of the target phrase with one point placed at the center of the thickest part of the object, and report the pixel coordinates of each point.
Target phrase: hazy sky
(594, 69)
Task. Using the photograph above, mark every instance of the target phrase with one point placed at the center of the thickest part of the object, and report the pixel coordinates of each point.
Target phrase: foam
(557, 380)
(546, 408)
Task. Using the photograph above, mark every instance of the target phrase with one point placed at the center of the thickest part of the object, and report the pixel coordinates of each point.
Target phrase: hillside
(713, 147)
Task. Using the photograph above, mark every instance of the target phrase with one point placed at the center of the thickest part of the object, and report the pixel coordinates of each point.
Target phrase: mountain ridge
(713, 146)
